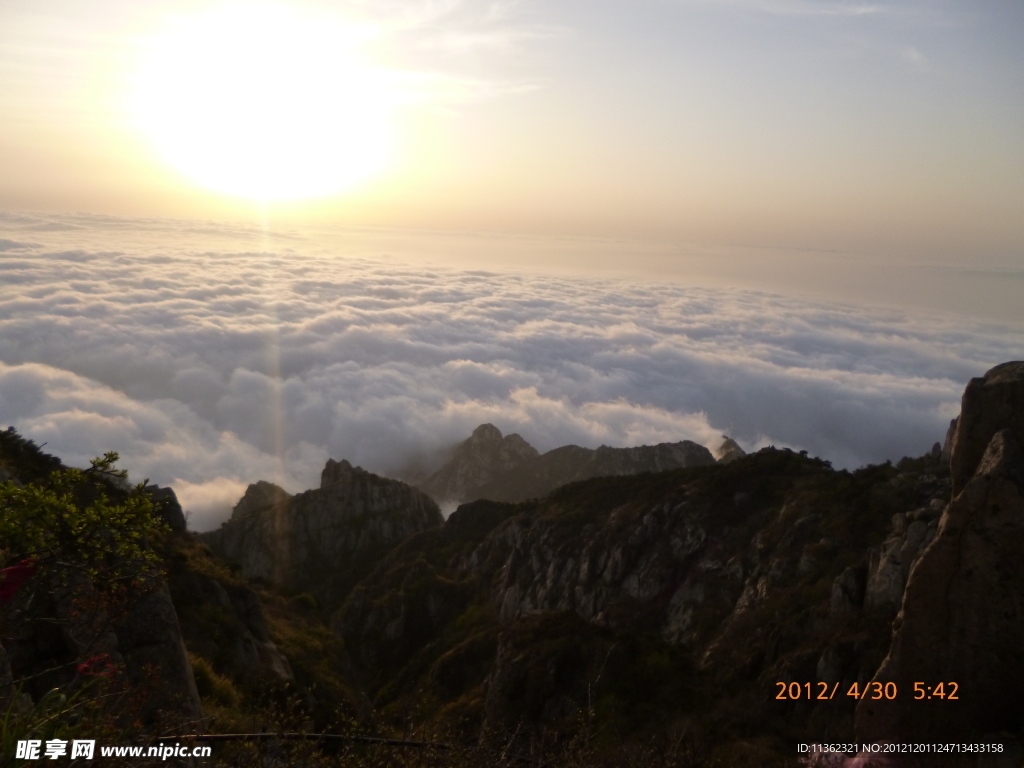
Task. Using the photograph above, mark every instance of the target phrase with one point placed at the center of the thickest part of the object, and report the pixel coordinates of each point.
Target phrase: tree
(76, 552)
(81, 524)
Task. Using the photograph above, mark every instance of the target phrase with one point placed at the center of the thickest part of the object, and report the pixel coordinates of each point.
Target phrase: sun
(260, 102)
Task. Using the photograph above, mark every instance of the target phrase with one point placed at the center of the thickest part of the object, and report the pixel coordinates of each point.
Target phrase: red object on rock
(12, 578)
(96, 666)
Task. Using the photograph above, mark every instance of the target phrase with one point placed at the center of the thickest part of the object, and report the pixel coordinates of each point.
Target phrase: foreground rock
(323, 540)
(962, 618)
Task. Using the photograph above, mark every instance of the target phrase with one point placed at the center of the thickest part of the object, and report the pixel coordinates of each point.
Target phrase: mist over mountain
(490, 466)
(209, 360)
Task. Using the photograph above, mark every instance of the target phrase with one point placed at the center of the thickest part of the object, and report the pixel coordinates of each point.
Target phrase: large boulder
(962, 617)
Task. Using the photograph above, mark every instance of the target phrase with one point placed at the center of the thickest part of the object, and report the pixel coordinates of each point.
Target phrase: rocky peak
(486, 433)
(485, 455)
(258, 496)
(168, 507)
(324, 539)
(990, 403)
(729, 450)
(335, 472)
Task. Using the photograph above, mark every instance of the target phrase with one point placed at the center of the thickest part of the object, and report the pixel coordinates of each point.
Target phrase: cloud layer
(208, 367)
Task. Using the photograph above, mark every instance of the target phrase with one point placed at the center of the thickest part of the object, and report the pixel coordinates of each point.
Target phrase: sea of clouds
(209, 361)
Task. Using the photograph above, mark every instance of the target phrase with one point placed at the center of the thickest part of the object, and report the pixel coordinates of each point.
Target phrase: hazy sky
(892, 129)
(238, 238)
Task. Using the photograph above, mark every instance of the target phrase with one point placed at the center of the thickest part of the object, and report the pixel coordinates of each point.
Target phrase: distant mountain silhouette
(489, 466)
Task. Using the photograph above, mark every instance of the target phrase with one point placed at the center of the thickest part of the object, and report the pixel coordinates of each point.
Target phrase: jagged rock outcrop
(962, 614)
(990, 403)
(729, 450)
(889, 565)
(168, 507)
(602, 571)
(325, 539)
(260, 496)
(257, 536)
(143, 643)
(484, 456)
(847, 593)
(571, 463)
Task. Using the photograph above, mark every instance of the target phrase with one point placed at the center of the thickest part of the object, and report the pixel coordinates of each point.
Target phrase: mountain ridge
(593, 624)
(489, 466)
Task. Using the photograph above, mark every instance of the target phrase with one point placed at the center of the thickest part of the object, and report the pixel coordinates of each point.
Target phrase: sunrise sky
(238, 238)
(870, 126)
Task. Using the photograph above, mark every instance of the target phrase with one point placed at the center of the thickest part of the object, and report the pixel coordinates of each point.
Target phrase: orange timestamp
(874, 690)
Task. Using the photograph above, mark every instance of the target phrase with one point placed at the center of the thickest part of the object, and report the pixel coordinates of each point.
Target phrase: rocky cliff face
(961, 620)
(325, 539)
(484, 456)
(733, 576)
(726, 581)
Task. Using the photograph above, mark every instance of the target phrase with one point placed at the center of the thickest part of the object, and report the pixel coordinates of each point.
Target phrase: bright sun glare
(262, 103)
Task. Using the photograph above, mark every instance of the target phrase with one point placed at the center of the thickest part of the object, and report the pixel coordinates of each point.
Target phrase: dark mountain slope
(723, 578)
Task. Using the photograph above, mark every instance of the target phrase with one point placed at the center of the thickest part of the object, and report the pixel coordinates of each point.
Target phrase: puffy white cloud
(209, 364)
